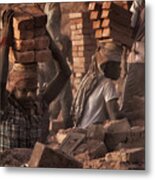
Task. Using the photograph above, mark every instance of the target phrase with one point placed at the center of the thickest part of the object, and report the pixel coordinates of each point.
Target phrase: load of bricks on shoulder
(31, 44)
(103, 22)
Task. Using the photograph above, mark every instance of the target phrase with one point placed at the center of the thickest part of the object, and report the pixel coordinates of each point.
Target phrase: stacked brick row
(83, 44)
(111, 21)
(31, 44)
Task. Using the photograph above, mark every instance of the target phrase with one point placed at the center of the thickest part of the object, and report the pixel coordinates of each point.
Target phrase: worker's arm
(113, 110)
(5, 42)
(57, 84)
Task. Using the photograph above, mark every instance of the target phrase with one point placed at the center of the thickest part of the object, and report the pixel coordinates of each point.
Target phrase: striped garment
(17, 129)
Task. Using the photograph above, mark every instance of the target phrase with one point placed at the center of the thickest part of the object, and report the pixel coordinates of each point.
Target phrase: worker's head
(108, 59)
(22, 83)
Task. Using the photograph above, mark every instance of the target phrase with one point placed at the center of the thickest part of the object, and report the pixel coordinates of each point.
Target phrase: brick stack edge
(83, 44)
(31, 44)
(111, 22)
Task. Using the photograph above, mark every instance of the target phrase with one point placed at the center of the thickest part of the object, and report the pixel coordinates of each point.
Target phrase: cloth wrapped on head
(109, 52)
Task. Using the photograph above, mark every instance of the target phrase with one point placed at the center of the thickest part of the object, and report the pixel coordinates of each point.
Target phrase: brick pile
(114, 144)
(111, 21)
(83, 44)
(31, 44)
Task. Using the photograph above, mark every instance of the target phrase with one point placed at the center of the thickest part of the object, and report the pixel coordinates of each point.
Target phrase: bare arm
(113, 110)
(4, 50)
(56, 85)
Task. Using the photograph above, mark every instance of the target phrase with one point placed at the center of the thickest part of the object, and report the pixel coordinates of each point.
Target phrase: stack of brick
(114, 144)
(31, 44)
(83, 44)
(111, 22)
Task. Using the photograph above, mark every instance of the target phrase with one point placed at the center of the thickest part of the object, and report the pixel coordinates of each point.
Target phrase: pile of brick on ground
(31, 44)
(112, 145)
(83, 44)
(111, 21)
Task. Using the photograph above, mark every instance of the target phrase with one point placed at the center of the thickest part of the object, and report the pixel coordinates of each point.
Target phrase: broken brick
(96, 132)
(44, 156)
(96, 148)
(115, 126)
(133, 155)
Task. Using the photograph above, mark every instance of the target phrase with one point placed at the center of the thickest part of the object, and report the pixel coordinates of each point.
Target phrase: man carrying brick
(96, 99)
(22, 116)
(49, 69)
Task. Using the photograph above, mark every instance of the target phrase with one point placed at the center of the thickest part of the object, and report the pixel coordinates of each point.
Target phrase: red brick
(23, 34)
(39, 18)
(84, 25)
(79, 15)
(96, 148)
(112, 140)
(43, 55)
(73, 27)
(23, 21)
(94, 15)
(115, 126)
(24, 45)
(81, 36)
(133, 155)
(117, 7)
(39, 32)
(114, 25)
(117, 36)
(96, 24)
(44, 156)
(83, 31)
(92, 6)
(22, 57)
(99, 33)
(84, 41)
(74, 48)
(42, 42)
(118, 17)
(90, 47)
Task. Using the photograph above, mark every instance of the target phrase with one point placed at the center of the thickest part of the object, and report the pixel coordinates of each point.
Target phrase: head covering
(22, 76)
(108, 52)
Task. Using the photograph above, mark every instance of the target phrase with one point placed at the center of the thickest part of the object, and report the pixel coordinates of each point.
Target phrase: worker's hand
(7, 18)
